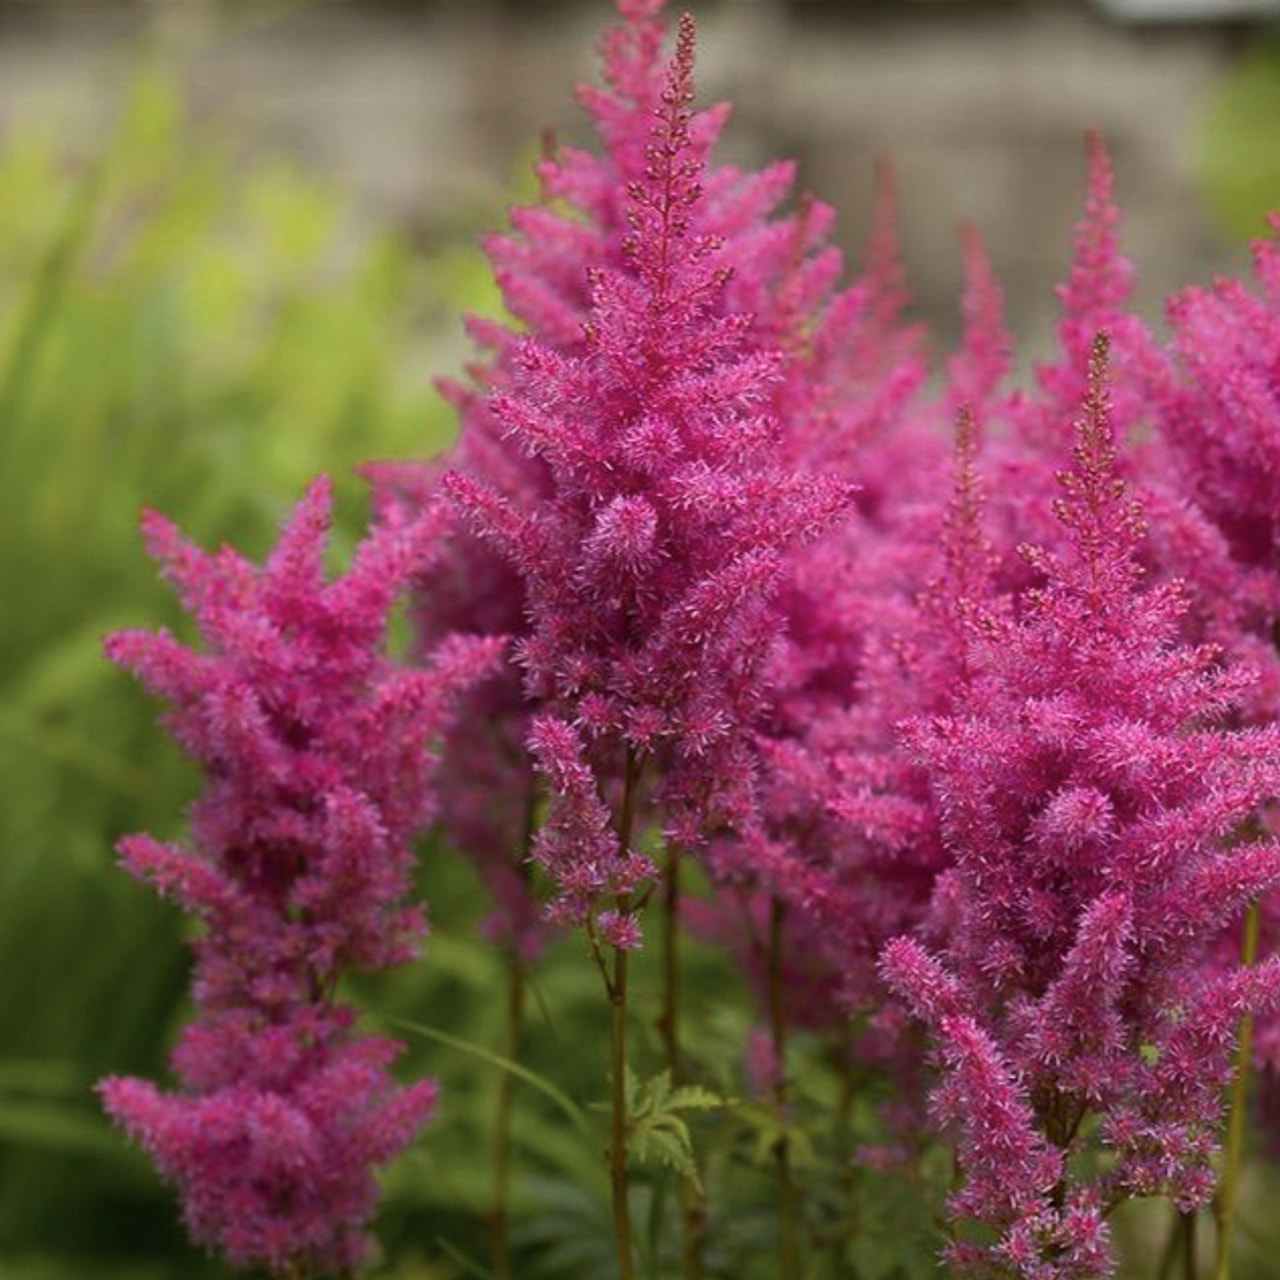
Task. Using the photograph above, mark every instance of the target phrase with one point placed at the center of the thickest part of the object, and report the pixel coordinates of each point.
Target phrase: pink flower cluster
(318, 754)
(651, 561)
(1087, 794)
(995, 723)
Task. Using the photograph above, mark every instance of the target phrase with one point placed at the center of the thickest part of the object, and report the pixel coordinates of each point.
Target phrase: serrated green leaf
(693, 1097)
(670, 1149)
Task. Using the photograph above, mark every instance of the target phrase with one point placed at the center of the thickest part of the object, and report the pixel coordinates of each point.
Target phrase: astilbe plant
(820, 386)
(830, 386)
(971, 754)
(318, 752)
(649, 567)
(1096, 817)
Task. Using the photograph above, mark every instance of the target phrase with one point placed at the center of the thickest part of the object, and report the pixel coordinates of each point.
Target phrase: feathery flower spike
(319, 760)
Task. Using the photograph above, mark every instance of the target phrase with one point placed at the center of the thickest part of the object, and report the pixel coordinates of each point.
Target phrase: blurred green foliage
(185, 328)
(1239, 158)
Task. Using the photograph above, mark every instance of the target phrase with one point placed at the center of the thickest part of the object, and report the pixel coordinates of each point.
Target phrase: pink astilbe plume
(651, 565)
(1094, 299)
(976, 371)
(1222, 416)
(1097, 821)
(875, 636)
(319, 758)
(1230, 602)
(836, 372)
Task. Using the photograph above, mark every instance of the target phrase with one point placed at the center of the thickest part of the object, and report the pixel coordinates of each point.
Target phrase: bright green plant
(185, 328)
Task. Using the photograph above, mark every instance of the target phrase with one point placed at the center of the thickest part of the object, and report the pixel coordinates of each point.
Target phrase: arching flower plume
(834, 400)
(319, 759)
(651, 566)
(1093, 810)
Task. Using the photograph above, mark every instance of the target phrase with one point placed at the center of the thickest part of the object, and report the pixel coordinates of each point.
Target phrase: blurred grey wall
(427, 111)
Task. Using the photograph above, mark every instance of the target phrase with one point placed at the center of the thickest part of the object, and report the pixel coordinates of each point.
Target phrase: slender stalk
(502, 1145)
(502, 1125)
(788, 1199)
(692, 1202)
(669, 1018)
(1173, 1238)
(844, 1269)
(616, 985)
(618, 1146)
(1189, 1251)
(1237, 1116)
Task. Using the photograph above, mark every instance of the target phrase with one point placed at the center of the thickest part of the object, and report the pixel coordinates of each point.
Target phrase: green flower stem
(1229, 1189)
(788, 1198)
(501, 1216)
(616, 985)
(502, 1125)
(692, 1202)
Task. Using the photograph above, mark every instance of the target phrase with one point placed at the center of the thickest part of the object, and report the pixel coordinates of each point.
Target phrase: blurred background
(236, 241)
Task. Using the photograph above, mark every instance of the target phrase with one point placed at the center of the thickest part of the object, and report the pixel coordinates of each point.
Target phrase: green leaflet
(657, 1128)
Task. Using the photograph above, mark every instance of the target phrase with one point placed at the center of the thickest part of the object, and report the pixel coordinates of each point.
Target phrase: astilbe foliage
(1095, 813)
(318, 752)
(650, 566)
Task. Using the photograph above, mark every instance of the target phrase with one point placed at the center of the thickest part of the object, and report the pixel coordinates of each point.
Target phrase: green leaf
(531, 1078)
(656, 1128)
(61, 1128)
(767, 1131)
(694, 1097)
(469, 1264)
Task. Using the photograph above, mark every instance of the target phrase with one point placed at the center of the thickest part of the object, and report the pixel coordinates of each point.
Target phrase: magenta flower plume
(319, 759)
(650, 567)
(1094, 298)
(777, 276)
(977, 370)
(1093, 811)
(1230, 601)
(849, 837)
(1224, 419)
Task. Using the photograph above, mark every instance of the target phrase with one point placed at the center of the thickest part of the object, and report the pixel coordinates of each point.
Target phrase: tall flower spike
(661, 536)
(975, 372)
(885, 276)
(320, 765)
(1094, 812)
(811, 397)
(1094, 300)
